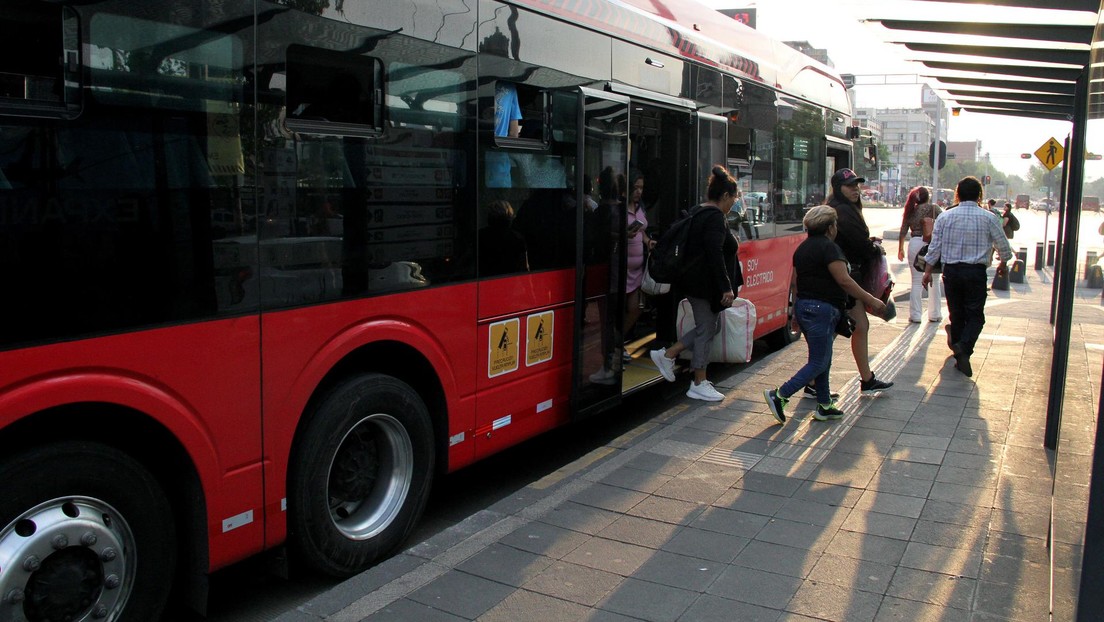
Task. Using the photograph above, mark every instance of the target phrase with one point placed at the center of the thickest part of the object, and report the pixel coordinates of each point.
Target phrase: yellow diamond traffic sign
(1051, 153)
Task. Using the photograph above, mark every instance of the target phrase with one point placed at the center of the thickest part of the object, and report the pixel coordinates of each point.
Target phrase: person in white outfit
(918, 221)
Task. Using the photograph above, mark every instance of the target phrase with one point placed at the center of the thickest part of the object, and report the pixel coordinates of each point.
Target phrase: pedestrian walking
(916, 224)
(823, 286)
(853, 236)
(963, 238)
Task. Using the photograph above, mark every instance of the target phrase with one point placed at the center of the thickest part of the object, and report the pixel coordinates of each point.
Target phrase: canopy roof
(1025, 67)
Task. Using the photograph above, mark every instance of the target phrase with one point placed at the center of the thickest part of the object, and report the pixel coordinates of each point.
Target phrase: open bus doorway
(661, 157)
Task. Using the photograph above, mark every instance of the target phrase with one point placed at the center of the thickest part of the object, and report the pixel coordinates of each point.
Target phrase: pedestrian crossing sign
(1051, 153)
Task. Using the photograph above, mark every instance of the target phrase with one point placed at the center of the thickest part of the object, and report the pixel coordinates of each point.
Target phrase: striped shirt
(965, 234)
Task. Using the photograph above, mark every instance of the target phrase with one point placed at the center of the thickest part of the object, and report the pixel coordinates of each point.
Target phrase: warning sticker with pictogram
(538, 346)
(503, 346)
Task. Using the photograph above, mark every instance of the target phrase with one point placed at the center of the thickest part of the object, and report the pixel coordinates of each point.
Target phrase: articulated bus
(258, 288)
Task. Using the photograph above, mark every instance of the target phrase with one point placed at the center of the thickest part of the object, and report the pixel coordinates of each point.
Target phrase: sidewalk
(928, 502)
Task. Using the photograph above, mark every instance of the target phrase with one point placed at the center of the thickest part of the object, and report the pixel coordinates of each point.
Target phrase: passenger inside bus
(501, 249)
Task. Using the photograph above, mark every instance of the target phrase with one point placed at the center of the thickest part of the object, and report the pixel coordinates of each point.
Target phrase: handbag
(733, 342)
(921, 264)
(846, 325)
(650, 285)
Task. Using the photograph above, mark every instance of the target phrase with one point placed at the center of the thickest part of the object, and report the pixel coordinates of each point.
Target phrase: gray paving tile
(581, 518)
(953, 561)
(609, 555)
(1012, 602)
(671, 511)
(867, 547)
(957, 493)
(923, 441)
(970, 537)
(956, 513)
(731, 522)
(606, 497)
(1015, 572)
(755, 586)
(889, 503)
(461, 594)
(526, 605)
(812, 513)
(648, 601)
(635, 479)
(875, 523)
(853, 573)
(922, 455)
(709, 608)
(688, 573)
(777, 558)
(768, 483)
(404, 609)
(705, 544)
(798, 535)
(829, 494)
(895, 609)
(505, 564)
(575, 583)
(640, 531)
(832, 602)
(544, 539)
(743, 500)
(932, 587)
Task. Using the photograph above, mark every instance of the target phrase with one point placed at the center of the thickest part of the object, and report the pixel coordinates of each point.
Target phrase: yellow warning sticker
(503, 345)
(538, 347)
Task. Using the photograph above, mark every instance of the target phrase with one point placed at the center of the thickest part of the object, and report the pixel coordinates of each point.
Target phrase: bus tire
(93, 523)
(789, 332)
(360, 475)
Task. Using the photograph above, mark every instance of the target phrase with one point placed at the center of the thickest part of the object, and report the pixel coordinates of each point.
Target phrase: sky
(859, 48)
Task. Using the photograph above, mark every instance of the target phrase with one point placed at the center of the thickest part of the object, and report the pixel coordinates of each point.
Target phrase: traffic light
(919, 163)
(1025, 156)
(955, 112)
(985, 181)
(1092, 156)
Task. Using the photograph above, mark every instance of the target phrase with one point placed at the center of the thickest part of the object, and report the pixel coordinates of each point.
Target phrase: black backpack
(670, 259)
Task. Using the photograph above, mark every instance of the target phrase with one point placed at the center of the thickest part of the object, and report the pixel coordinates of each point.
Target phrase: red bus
(254, 292)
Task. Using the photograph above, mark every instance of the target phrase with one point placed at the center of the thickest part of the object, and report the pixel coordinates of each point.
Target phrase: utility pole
(935, 144)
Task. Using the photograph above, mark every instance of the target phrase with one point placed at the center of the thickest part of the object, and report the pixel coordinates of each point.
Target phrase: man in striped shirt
(962, 238)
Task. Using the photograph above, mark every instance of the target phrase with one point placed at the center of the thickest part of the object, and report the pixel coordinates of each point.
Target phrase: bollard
(1090, 261)
(1095, 277)
(1039, 256)
(1050, 253)
(1000, 279)
(1016, 270)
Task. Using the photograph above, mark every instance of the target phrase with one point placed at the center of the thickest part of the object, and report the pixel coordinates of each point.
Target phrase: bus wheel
(86, 533)
(790, 332)
(360, 475)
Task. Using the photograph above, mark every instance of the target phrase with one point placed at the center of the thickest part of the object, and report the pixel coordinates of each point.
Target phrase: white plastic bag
(733, 343)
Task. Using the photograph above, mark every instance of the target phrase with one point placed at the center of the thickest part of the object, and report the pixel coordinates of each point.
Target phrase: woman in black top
(861, 252)
(710, 286)
(823, 284)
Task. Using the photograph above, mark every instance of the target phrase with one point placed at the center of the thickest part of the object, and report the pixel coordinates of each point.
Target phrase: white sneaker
(665, 365)
(704, 391)
(603, 376)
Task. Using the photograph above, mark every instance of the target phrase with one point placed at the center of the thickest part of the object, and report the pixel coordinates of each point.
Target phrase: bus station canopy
(1023, 67)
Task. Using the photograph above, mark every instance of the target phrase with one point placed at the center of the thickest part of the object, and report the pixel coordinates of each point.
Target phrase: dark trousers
(965, 287)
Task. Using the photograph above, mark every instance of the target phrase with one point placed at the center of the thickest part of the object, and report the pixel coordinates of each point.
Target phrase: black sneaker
(962, 360)
(872, 386)
(810, 391)
(828, 413)
(777, 404)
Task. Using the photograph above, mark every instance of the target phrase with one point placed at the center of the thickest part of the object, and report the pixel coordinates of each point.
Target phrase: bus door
(600, 256)
(839, 156)
(712, 148)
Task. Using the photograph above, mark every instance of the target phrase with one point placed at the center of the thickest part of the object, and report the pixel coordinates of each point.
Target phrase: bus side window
(333, 92)
(520, 111)
(39, 59)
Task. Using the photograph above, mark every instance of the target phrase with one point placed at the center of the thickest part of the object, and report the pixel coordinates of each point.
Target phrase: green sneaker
(828, 412)
(777, 404)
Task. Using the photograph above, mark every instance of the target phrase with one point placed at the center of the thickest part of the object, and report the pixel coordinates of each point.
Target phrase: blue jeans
(818, 323)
